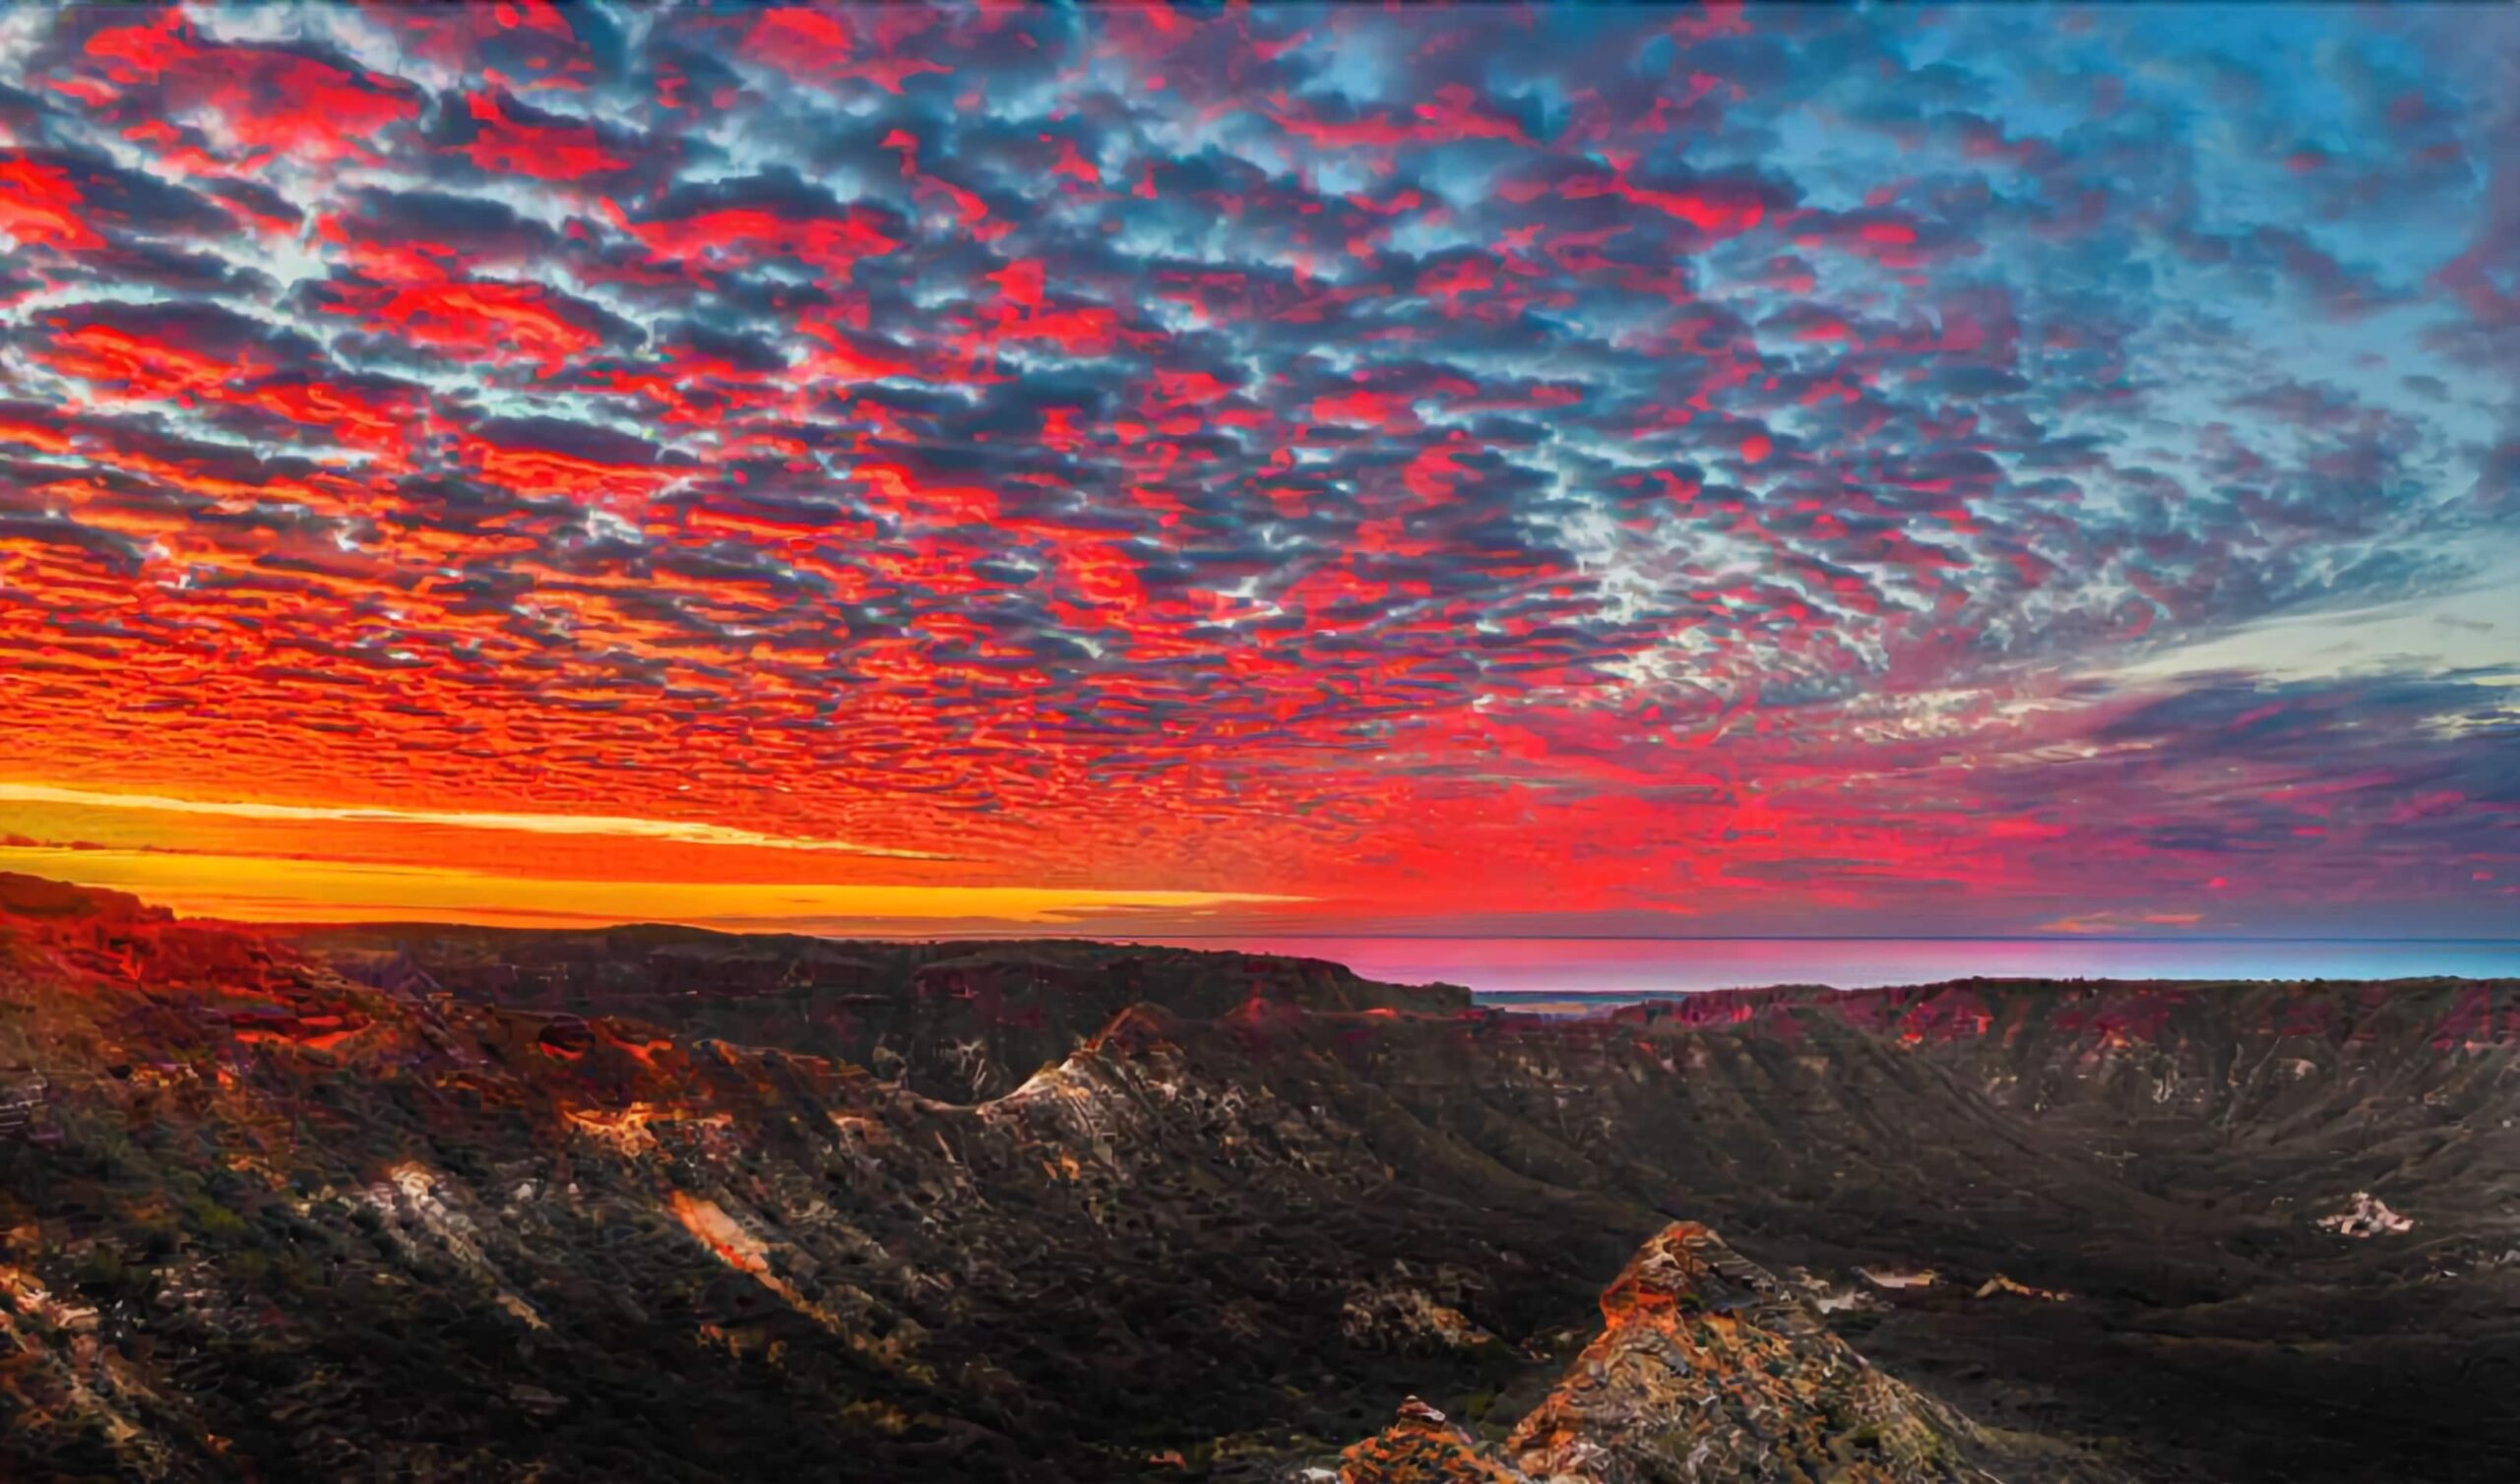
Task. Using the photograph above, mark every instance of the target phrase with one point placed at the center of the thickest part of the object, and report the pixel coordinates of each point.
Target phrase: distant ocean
(1522, 970)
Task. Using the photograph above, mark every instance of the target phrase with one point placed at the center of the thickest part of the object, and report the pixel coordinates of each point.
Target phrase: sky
(1249, 469)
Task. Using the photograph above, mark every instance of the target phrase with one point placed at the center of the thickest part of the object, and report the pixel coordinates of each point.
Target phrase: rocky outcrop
(1422, 1447)
(1705, 1368)
(2366, 1215)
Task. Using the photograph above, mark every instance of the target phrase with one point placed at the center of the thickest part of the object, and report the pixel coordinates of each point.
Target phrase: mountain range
(651, 1202)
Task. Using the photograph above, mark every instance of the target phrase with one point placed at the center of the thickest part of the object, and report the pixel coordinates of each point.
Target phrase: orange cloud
(679, 831)
(261, 888)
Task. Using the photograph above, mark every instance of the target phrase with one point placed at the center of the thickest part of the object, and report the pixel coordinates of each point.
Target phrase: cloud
(676, 832)
(257, 888)
(1790, 460)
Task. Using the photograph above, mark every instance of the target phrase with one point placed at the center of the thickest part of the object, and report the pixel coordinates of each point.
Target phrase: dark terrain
(657, 1204)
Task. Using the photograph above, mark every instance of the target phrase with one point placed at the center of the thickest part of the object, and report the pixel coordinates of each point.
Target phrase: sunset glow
(1141, 467)
(521, 823)
(259, 889)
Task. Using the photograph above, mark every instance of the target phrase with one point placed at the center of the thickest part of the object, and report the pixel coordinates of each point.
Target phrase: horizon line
(1019, 935)
(1813, 937)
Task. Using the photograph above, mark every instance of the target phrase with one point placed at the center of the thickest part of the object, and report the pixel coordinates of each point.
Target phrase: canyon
(659, 1203)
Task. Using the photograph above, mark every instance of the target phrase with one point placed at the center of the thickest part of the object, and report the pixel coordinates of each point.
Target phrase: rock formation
(1705, 1368)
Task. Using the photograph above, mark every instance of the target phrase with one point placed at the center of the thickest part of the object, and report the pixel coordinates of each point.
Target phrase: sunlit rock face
(1707, 1367)
(272, 1205)
(2366, 1217)
(1422, 1447)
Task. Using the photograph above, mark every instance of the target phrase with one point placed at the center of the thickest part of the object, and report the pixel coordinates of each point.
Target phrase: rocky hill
(957, 1021)
(650, 1205)
(1707, 1367)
